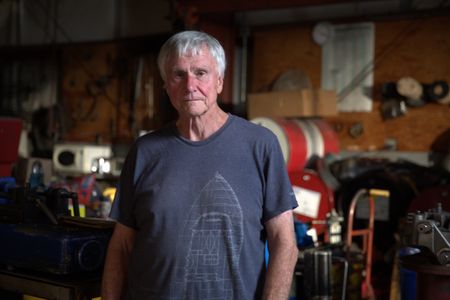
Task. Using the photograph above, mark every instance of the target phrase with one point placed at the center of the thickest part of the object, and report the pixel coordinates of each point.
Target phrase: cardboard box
(304, 103)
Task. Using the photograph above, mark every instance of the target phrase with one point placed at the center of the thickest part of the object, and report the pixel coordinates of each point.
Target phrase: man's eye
(178, 74)
(200, 73)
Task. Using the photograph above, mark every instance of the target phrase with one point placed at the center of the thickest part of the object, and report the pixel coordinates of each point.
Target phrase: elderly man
(198, 199)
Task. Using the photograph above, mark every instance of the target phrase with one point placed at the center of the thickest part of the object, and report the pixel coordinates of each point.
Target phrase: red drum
(323, 138)
(301, 139)
(330, 140)
(291, 139)
(311, 133)
(315, 199)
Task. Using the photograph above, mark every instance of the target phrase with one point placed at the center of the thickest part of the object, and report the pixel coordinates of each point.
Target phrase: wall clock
(322, 33)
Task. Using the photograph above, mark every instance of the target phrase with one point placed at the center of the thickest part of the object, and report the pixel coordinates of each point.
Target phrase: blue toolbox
(38, 232)
(55, 249)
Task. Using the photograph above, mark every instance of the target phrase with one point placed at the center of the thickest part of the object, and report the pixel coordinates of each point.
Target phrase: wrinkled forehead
(200, 54)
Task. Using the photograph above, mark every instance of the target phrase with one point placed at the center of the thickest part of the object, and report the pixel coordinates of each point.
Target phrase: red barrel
(329, 137)
(301, 139)
(292, 141)
(323, 138)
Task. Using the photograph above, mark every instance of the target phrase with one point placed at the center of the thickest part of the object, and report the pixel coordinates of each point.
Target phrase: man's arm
(283, 254)
(116, 263)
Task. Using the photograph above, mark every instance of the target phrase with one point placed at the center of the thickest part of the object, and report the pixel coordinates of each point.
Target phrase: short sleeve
(279, 196)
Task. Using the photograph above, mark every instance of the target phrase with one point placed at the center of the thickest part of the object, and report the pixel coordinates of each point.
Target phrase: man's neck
(201, 127)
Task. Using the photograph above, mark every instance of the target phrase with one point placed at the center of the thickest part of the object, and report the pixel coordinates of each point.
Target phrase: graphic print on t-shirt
(212, 239)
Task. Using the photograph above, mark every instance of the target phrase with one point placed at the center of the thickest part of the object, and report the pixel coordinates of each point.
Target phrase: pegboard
(418, 47)
(107, 93)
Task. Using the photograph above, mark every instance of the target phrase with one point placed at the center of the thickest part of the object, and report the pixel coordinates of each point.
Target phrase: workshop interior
(356, 92)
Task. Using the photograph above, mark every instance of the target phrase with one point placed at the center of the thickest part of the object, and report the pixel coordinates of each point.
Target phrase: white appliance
(75, 158)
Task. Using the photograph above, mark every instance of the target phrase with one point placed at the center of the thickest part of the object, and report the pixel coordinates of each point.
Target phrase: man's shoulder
(242, 123)
(253, 127)
(154, 141)
(164, 133)
(250, 132)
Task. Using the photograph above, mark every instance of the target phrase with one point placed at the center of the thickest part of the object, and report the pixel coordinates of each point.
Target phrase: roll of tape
(438, 91)
(412, 90)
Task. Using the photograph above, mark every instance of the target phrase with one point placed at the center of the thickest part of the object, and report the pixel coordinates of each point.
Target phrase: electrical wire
(395, 42)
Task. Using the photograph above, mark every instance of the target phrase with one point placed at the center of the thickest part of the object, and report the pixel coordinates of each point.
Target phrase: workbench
(51, 286)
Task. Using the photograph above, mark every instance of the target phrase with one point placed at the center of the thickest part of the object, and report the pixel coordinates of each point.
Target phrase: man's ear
(219, 87)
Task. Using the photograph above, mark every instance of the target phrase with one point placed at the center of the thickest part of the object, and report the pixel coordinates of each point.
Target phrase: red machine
(10, 129)
(317, 199)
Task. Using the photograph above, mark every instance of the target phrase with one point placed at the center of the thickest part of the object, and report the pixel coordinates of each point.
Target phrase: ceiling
(267, 12)
(41, 22)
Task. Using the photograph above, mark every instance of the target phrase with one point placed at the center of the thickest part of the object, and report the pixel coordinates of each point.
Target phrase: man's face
(193, 83)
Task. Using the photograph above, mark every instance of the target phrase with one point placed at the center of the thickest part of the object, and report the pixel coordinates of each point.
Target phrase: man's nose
(191, 84)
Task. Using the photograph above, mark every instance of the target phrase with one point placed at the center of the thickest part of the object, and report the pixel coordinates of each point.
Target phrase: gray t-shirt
(199, 209)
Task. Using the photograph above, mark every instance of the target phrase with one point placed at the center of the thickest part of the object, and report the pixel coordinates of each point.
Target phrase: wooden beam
(231, 6)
